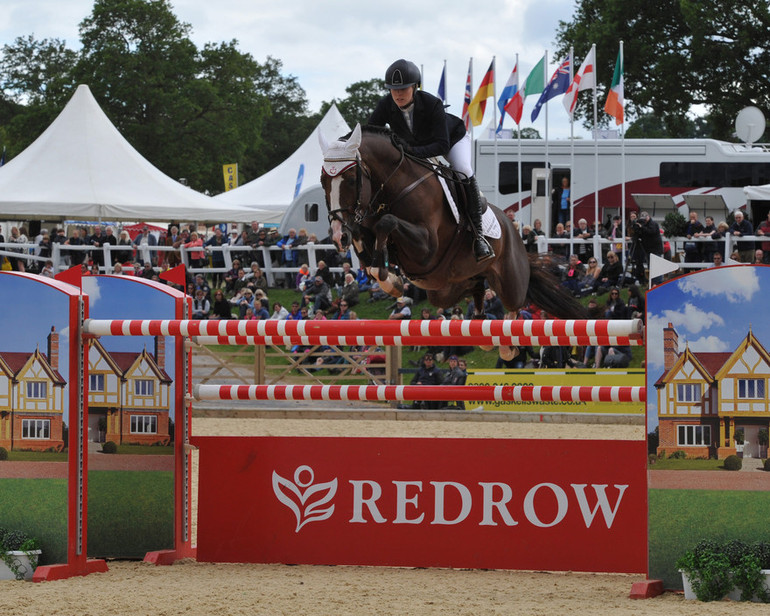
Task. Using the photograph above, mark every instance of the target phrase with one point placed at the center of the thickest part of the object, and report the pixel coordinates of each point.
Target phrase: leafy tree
(677, 54)
(361, 100)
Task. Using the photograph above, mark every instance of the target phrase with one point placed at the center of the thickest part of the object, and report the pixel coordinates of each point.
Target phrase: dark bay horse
(392, 208)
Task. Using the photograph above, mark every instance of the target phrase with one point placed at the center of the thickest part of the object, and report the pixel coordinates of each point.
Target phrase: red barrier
(490, 332)
(484, 393)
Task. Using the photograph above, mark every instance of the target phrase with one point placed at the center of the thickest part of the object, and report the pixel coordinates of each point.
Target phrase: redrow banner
(555, 505)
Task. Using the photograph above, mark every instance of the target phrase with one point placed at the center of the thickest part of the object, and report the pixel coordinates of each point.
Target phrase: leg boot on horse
(481, 248)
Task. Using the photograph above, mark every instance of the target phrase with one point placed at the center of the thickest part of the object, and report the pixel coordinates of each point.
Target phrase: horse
(392, 207)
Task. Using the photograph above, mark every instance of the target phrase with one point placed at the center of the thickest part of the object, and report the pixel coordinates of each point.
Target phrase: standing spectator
(560, 250)
(289, 253)
(171, 257)
(693, 251)
(562, 200)
(76, 256)
(742, 227)
(708, 231)
(584, 250)
(214, 244)
(616, 235)
(143, 242)
(454, 376)
(650, 240)
(196, 256)
(124, 255)
(427, 374)
(764, 230)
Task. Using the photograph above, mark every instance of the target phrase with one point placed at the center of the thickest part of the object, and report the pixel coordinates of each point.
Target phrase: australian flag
(557, 85)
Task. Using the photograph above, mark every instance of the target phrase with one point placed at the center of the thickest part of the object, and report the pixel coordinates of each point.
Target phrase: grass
(130, 512)
(37, 456)
(679, 519)
(671, 464)
(39, 508)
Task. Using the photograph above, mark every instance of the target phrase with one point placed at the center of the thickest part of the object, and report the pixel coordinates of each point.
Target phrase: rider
(419, 119)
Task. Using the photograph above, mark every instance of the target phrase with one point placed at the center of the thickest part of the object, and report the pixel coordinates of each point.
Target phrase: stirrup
(482, 250)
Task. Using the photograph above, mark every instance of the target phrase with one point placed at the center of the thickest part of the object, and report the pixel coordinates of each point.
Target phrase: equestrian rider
(419, 120)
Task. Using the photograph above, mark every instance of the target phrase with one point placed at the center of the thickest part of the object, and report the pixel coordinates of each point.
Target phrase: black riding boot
(481, 248)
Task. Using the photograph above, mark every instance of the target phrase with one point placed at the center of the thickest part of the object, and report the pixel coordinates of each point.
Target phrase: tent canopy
(82, 167)
(275, 191)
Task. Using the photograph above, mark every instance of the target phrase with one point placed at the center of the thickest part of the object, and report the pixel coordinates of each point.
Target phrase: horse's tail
(546, 292)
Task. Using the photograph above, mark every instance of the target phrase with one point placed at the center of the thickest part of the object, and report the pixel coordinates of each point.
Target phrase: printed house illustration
(704, 398)
(128, 395)
(32, 399)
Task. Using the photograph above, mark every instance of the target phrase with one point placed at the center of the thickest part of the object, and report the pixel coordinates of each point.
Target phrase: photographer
(646, 233)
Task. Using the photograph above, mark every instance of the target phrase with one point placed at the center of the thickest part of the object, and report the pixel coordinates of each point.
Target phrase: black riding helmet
(402, 74)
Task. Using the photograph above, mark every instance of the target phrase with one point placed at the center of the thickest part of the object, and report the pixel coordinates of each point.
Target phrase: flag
(557, 85)
(511, 87)
(532, 84)
(615, 103)
(442, 85)
(176, 275)
(73, 276)
(467, 99)
(479, 102)
(584, 79)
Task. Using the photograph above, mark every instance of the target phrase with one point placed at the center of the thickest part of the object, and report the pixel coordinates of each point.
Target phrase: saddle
(456, 188)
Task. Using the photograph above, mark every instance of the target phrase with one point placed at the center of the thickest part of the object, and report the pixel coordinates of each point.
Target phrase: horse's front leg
(389, 282)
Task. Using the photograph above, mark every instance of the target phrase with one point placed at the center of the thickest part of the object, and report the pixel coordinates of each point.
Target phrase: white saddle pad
(489, 224)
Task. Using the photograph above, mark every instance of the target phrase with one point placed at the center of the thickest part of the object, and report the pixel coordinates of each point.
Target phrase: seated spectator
(255, 279)
(319, 294)
(47, 270)
(279, 312)
(231, 276)
(260, 309)
(363, 280)
(303, 277)
(610, 274)
(572, 278)
(294, 313)
(221, 308)
(325, 273)
(591, 274)
(493, 307)
(401, 311)
(201, 306)
(349, 290)
(343, 312)
(615, 307)
(613, 357)
(560, 250)
(244, 301)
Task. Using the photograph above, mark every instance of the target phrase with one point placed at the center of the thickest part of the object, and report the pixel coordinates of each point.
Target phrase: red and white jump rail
(383, 332)
(394, 393)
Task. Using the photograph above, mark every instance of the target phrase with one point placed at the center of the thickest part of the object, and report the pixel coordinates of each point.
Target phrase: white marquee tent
(82, 168)
(275, 191)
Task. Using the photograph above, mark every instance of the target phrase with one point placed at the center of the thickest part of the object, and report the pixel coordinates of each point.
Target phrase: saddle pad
(489, 224)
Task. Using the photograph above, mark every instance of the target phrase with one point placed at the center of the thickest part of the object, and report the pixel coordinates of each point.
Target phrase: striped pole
(412, 333)
(392, 393)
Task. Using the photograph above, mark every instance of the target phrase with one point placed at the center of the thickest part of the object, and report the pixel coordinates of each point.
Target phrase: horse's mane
(372, 130)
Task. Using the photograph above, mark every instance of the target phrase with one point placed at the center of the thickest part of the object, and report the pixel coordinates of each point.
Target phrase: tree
(361, 100)
(678, 54)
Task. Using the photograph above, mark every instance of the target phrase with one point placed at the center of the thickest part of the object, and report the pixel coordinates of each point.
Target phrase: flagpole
(494, 123)
(547, 168)
(571, 160)
(443, 74)
(623, 176)
(596, 172)
(470, 72)
(518, 134)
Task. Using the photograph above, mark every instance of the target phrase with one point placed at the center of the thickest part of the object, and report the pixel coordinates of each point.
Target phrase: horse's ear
(322, 142)
(355, 137)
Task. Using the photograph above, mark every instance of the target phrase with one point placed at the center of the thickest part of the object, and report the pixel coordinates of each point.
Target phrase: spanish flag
(479, 102)
(615, 102)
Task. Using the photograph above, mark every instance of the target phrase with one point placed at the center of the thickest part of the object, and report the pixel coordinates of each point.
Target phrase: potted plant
(19, 555)
(712, 571)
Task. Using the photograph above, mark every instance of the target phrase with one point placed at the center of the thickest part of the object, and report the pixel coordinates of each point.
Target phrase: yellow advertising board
(231, 176)
(581, 378)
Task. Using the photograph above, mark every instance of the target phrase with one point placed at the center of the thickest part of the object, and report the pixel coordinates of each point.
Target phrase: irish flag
(615, 102)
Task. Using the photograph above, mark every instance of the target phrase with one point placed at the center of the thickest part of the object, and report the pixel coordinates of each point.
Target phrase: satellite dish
(750, 124)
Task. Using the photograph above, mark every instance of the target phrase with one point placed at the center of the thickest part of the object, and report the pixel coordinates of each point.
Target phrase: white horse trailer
(703, 174)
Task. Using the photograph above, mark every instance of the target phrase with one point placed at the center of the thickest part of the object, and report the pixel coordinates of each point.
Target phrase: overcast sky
(330, 44)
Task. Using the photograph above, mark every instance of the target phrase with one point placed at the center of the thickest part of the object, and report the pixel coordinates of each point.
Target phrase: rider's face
(403, 97)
